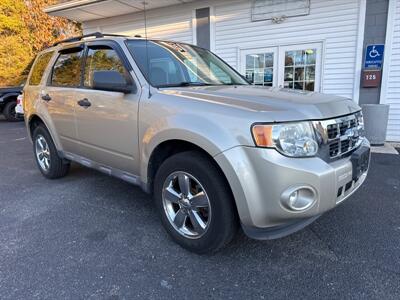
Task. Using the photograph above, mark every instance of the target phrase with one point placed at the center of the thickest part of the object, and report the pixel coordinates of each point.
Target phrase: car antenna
(147, 46)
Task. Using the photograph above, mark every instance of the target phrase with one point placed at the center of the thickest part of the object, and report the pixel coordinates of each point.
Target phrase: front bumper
(258, 178)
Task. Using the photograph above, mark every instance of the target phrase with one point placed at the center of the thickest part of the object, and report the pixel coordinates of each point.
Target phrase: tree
(24, 31)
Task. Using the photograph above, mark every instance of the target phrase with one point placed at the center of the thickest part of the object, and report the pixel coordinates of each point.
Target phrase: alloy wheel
(42, 153)
(186, 205)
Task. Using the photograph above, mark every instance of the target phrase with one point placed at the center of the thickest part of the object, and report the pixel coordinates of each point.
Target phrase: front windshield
(174, 64)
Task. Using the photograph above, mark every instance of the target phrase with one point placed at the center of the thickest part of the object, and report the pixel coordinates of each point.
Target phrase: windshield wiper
(185, 83)
(235, 84)
(195, 83)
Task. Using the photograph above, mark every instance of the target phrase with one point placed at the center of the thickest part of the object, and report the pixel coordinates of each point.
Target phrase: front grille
(339, 136)
(332, 131)
(344, 146)
(333, 149)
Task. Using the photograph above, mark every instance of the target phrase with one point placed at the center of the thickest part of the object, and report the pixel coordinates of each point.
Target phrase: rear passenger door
(60, 95)
(107, 120)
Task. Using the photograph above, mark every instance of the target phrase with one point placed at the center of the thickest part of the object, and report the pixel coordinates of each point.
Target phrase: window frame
(85, 48)
(318, 46)
(59, 53)
(279, 60)
(275, 68)
(121, 55)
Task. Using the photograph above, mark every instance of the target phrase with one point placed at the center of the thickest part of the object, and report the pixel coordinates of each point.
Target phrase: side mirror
(112, 81)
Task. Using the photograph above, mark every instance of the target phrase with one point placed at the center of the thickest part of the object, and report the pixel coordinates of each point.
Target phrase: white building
(308, 44)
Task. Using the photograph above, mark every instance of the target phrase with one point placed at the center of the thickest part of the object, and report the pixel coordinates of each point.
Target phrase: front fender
(199, 131)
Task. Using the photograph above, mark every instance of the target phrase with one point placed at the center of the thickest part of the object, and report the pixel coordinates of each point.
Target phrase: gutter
(70, 5)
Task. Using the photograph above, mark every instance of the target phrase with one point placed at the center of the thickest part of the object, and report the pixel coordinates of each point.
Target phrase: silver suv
(176, 120)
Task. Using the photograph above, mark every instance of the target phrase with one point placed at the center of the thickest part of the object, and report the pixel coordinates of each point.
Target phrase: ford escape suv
(216, 152)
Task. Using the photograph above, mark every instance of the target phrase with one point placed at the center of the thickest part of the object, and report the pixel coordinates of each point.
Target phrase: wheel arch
(10, 96)
(163, 151)
(34, 121)
(166, 149)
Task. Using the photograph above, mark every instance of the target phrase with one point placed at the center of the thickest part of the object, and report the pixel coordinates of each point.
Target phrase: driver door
(107, 120)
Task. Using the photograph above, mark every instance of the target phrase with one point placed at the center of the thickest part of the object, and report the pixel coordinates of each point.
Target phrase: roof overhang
(87, 10)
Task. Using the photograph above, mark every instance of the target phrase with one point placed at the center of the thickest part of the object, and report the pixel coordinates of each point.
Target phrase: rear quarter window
(39, 68)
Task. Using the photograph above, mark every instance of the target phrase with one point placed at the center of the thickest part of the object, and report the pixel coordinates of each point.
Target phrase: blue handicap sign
(374, 56)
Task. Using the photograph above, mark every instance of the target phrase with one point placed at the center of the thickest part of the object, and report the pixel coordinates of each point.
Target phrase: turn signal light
(263, 135)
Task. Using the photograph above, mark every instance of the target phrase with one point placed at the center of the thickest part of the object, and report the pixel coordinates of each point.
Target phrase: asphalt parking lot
(90, 236)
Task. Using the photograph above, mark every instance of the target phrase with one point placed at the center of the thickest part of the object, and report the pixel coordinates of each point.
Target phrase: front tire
(195, 202)
(50, 164)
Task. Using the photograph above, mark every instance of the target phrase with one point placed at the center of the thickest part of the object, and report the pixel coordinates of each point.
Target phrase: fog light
(298, 198)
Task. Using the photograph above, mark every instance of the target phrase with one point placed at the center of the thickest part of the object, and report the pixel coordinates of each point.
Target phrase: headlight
(291, 139)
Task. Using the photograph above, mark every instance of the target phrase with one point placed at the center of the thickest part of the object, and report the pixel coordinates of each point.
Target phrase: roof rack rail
(81, 37)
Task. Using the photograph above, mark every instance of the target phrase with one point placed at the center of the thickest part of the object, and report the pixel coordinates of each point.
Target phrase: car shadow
(106, 185)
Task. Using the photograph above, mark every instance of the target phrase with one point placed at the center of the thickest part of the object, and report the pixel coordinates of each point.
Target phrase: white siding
(333, 22)
(393, 78)
(172, 23)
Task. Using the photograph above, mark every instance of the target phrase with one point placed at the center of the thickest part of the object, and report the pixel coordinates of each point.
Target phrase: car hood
(278, 104)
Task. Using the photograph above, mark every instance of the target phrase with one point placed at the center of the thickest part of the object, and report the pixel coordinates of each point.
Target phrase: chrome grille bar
(338, 137)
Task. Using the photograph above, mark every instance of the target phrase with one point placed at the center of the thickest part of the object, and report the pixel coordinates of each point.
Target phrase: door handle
(84, 103)
(46, 97)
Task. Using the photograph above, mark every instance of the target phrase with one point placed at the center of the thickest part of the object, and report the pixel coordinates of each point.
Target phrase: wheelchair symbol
(374, 53)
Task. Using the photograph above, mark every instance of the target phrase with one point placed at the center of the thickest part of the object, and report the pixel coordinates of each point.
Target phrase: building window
(300, 69)
(260, 68)
(292, 67)
(271, 9)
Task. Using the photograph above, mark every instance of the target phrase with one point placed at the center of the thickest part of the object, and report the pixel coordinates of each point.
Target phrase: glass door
(260, 66)
(294, 67)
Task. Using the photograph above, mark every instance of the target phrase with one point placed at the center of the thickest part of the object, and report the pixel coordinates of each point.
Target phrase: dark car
(8, 102)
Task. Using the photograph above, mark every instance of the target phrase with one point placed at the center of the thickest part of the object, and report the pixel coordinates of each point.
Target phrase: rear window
(39, 68)
(67, 70)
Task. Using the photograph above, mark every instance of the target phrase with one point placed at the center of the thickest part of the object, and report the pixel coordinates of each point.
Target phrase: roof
(87, 10)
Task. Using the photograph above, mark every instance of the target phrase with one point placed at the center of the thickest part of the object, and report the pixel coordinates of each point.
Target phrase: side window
(67, 70)
(39, 68)
(101, 59)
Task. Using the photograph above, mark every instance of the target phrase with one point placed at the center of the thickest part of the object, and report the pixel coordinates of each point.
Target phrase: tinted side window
(101, 59)
(39, 68)
(67, 70)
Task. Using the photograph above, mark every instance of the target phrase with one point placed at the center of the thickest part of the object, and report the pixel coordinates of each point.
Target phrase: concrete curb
(387, 148)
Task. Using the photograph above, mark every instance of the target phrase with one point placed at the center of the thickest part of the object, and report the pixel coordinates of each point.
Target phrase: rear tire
(180, 214)
(50, 164)
(9, 112)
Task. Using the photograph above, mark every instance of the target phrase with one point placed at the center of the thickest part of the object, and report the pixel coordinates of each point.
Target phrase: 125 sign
(371, 78)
